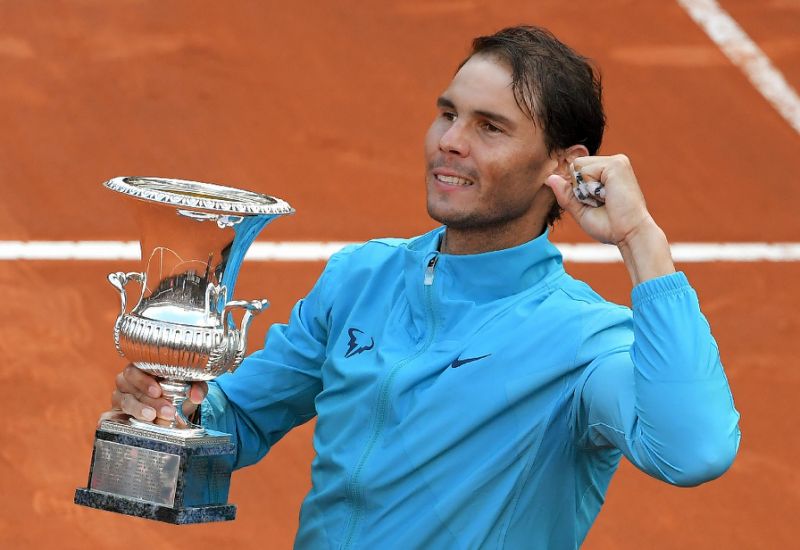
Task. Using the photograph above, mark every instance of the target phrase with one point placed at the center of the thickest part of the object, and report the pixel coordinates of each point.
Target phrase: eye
(491, 128)
(448, 115)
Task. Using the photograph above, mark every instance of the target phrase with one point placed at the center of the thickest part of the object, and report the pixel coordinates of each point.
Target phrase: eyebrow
(445, 103)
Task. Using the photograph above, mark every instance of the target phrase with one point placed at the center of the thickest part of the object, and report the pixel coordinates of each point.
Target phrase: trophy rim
(198, 195)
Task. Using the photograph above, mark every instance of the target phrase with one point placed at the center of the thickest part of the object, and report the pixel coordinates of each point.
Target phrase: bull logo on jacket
(359, 342)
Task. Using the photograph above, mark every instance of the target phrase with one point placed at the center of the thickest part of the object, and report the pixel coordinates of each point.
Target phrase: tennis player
(468, 392)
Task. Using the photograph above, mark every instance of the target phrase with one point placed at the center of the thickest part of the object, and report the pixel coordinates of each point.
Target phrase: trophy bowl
(194, 236)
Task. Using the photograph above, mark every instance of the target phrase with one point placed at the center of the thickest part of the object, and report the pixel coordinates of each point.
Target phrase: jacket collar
(480, 278)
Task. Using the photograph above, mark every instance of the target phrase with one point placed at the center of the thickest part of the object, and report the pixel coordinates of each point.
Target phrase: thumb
(564, 194)
(197, 393)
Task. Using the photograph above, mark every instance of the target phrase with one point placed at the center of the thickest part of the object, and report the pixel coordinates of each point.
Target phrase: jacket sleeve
(662, 399)
(274, 389)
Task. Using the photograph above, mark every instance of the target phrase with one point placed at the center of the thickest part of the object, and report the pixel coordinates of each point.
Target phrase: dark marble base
(112, 503)
(160, 476)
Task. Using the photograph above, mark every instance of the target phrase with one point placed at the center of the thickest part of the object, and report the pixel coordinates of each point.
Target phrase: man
(468, 392)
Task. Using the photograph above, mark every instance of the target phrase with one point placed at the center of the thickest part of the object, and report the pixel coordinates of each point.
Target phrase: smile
(453, 180)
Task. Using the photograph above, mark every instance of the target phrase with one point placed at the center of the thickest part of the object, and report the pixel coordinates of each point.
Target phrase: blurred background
(325, 104)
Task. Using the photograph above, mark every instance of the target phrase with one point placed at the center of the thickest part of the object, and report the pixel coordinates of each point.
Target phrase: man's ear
(565, 158)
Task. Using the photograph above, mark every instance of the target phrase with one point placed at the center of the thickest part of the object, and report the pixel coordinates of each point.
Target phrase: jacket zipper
(354, 489)
(428, 280)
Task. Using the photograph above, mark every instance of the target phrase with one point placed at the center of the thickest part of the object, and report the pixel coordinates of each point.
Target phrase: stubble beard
(485, 217)
(492, 218)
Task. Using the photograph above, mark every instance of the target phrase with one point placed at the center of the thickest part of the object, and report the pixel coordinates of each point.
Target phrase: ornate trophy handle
(252, 308)
(119, 280)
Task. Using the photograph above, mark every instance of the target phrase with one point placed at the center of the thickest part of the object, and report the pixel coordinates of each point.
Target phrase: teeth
(453, 180)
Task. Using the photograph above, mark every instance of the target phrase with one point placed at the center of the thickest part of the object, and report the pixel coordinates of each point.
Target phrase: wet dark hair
(555, 86)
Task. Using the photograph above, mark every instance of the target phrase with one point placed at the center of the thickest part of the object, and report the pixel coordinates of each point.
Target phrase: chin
(445, 216)
(453, 218)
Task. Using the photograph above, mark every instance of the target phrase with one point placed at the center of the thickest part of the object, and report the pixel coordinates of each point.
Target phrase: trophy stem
(177, 391)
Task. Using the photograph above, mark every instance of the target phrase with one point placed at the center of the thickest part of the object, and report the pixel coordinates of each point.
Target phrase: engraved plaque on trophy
(194, 237)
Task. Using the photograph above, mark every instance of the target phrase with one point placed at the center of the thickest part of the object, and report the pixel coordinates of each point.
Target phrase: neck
(508, 233)
(476, 240)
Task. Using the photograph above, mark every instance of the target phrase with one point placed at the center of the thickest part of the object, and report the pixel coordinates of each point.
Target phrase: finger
(588, 171)
(601, 169)
(590, 168)
(145, 389)
(564, 193)
(128, 404)
(580, 163)
(198, 392)
(138, 405)
(135, 381)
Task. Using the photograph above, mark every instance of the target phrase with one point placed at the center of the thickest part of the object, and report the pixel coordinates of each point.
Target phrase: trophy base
(160, 476)
(146, 510)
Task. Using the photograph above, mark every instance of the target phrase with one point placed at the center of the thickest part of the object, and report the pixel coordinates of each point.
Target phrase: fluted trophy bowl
(194, 236)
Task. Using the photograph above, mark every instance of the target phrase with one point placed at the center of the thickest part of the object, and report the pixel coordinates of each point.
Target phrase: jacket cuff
(674, 283)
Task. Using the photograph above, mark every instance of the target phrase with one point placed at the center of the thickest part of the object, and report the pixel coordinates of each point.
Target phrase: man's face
(486, 160)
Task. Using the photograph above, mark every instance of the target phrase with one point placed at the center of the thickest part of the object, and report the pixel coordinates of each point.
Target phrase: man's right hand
(139, 395)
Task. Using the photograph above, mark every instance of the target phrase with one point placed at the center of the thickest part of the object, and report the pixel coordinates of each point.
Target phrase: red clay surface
(325, 105)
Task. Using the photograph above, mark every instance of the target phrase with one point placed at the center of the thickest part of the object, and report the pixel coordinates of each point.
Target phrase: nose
(454, 140)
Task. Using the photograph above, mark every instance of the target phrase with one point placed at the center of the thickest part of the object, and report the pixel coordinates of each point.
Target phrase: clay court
(325, 105)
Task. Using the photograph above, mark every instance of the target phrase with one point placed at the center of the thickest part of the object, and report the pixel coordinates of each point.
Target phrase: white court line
(289, 251)
(745, 54)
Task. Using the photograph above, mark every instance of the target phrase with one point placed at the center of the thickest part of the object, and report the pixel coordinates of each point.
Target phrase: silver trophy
(194, 237)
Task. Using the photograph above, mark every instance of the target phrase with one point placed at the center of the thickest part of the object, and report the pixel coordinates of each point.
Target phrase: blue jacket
(479, 401)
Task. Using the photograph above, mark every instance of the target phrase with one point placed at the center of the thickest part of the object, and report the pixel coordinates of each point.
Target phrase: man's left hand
(623, 220)
(624, 212)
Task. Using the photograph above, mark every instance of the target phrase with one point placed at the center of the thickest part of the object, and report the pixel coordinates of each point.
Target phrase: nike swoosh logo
(458, 362)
